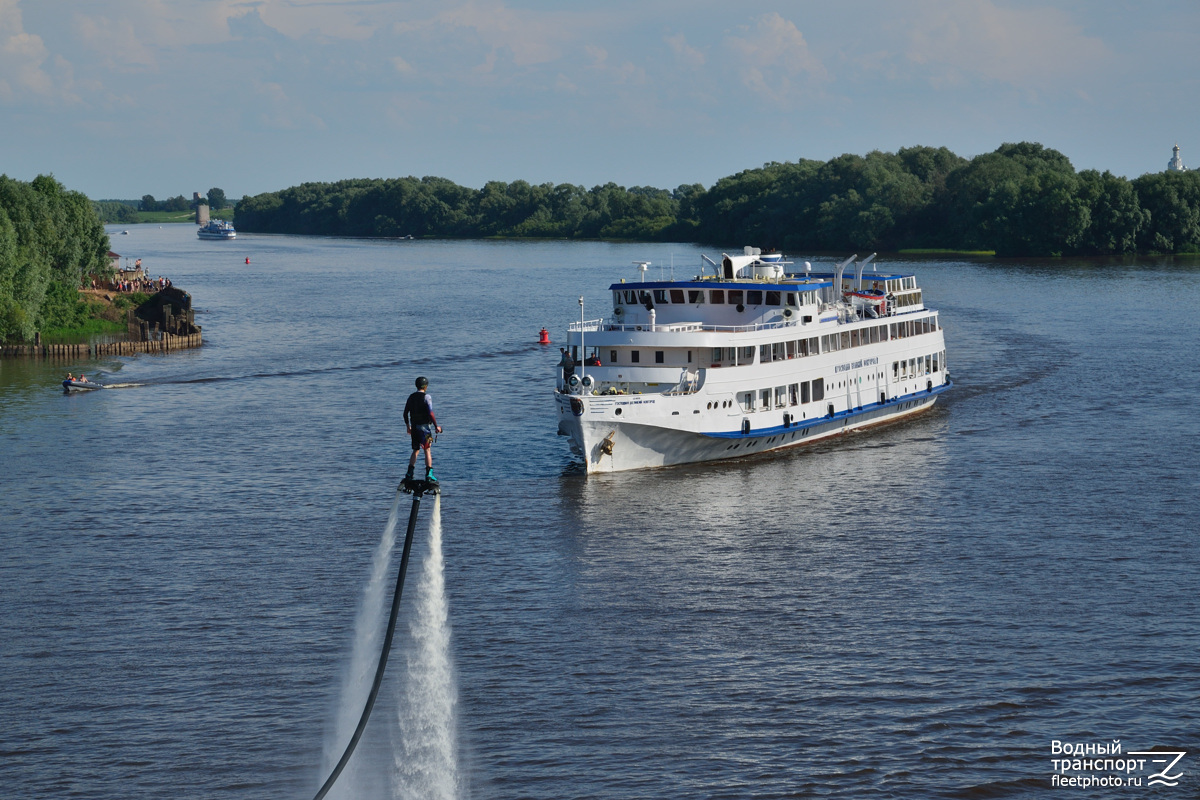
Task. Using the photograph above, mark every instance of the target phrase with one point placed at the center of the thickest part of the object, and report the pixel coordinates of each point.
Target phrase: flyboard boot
(429, 485)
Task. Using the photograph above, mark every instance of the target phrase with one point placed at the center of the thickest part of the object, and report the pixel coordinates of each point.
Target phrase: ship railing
(586, 325)
(677, 327)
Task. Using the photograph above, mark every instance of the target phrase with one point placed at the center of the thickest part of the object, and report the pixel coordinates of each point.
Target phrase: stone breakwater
(164, 344)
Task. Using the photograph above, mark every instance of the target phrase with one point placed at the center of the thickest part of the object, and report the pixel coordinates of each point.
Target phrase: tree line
(50, 238)
(1020, 200)
(215, 200)
(126, 211)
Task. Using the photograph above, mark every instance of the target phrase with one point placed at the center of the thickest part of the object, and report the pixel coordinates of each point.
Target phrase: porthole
(617, 412)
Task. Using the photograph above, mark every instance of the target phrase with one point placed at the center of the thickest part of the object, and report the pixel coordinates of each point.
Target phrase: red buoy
(544, 337)
(247, 259)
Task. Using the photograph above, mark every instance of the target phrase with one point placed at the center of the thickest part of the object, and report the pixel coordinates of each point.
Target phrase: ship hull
(607, 444)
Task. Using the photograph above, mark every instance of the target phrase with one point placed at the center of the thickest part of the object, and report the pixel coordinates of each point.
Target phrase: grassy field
(933, 251)
(161, 217)
(166, 216)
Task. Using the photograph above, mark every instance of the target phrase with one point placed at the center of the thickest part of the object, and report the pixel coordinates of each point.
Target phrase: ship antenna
(642, 267)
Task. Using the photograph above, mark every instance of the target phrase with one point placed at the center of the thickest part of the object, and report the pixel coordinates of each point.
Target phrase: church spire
(1176, 163)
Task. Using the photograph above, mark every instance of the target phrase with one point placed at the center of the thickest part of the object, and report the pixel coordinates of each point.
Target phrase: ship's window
(695, 296)
(777, 352)
(660, 295)
(716, 353)
(644, 298)
(612, 356)
(689, 356)
(804, 395)
(747, 401)
(635, 356)
(818, 389)
(630, 297)
(791, 348)
(895, 370)
(814, 346)
(748, 354)
(764, 354)
(920, 365)
(772, 298)
(935, 362)
(854, 339)
(793, 394)
(658, 356)
(616, 298)
(845, 339)
(791, 300)
(912, 367)
(780, 396)
(677, 295)
(754, 297)
(764, 395)
(736, 297)
(716, 296)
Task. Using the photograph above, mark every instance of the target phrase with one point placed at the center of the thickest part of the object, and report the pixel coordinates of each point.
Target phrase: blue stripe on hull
(840, 416)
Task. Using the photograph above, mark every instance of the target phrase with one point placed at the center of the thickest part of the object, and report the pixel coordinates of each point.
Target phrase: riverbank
(164, 328)
(166, 343)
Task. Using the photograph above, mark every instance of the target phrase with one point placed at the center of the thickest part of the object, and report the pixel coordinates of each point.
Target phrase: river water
(918, 611)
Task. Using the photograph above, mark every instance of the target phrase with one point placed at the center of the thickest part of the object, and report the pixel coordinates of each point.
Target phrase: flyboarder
(421, 425)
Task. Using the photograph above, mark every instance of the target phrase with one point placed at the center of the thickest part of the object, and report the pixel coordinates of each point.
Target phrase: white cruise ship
(217, 229)
(752, 357)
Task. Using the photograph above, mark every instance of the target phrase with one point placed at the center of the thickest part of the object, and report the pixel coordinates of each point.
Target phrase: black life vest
(416, 412)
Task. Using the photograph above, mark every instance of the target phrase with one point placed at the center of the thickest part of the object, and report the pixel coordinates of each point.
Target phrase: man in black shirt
(421, 425)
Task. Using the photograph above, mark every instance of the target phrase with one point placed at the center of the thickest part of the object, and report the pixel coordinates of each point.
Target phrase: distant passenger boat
(217, 229)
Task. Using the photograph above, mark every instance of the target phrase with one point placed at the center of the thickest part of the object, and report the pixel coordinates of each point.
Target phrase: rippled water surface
(918, 611)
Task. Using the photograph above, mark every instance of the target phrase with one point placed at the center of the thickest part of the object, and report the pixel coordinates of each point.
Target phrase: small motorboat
(80, 386)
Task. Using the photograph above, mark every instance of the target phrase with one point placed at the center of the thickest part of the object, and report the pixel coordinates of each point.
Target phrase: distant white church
(1176, 163)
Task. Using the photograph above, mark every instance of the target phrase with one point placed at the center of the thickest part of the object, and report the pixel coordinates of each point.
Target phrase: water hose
(417, 489)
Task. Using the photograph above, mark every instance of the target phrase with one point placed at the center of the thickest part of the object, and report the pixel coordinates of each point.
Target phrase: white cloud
(684, 52)
(958, 41)
(332, 19)
(527, 38)
(116, 41)
(276, 110)
(23, 57)
(774, 61)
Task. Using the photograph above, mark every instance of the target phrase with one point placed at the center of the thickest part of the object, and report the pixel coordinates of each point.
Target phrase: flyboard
(417, 488)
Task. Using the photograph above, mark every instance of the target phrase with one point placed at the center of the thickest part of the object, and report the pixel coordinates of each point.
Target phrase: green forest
(50, 238)
(1020, 200)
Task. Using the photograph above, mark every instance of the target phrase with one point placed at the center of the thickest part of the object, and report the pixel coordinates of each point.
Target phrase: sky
(121, 98)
